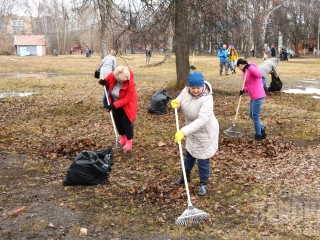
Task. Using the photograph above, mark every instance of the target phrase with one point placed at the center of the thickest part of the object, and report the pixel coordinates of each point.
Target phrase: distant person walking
(253, 52)
(86, 51)
(273, 51)
(223, 56)
(266, 51)
(148, 54)
(233, 57)
(283, 54)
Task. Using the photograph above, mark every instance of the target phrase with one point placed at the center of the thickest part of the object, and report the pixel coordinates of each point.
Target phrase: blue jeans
(203, 166)
(255, 109)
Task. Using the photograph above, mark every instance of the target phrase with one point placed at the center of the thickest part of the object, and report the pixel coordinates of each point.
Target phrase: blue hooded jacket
(223, 55)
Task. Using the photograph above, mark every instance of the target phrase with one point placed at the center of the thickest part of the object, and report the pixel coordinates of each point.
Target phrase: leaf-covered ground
(257, 190)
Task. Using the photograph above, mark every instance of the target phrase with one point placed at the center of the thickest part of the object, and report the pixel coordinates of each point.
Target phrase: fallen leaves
(158, 193)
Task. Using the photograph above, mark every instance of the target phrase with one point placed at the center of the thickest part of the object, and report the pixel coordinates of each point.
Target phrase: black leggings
(123, 124)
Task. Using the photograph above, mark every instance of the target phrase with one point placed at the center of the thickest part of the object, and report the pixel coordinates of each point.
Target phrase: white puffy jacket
(202, 127)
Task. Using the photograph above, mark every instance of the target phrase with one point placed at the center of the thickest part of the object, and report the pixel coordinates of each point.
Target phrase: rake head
(233, 131)
(192, 216)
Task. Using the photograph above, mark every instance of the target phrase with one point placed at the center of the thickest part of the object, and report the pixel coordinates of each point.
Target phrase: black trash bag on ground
(90, 168)
(158, 103)
(275, 84)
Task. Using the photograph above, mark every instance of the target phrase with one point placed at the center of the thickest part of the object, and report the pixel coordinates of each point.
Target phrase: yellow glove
(175, 103)
(178, 136)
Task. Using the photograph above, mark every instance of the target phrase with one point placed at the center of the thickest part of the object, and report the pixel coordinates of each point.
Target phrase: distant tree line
(174, 26)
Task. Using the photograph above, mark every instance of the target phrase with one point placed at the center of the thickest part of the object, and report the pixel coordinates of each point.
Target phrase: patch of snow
(15, 94)
(303, 91)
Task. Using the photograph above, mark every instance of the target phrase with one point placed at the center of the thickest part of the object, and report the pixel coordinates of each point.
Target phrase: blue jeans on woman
(255, 109)
(203, 166)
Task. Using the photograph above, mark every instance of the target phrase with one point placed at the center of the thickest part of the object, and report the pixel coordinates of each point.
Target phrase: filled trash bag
(90, 168)
(158, 103)
(275, 84)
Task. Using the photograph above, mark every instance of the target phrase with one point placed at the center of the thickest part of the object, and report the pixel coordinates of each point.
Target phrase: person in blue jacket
(223, 55)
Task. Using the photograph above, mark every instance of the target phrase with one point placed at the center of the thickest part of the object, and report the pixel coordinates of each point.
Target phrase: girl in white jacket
(201, 129)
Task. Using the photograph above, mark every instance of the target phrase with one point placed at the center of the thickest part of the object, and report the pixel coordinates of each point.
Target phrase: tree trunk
(103, 6)
(182, 46)
(169, 42)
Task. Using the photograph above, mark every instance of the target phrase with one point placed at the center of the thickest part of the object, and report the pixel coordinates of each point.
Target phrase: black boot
(180, 181)
(257, 137)
(263, 133)
(202, 190)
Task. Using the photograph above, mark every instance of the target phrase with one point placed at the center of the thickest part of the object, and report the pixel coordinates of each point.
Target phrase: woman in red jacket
(123, 102)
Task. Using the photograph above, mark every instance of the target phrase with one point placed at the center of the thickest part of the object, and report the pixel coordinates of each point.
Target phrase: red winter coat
(128, 98)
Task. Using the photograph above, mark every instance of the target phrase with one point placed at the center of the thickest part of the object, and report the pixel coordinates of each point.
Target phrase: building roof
(38, 40)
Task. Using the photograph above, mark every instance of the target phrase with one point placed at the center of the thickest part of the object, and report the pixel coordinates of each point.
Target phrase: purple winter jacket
(253, 85)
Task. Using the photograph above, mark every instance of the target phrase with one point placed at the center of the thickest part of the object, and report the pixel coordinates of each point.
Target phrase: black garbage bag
(275, 84)
(90, 168)
(158, 103)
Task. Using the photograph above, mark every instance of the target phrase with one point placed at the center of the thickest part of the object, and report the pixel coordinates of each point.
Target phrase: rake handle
(237, 111)
(111, 115)
(182, 161)
(88, 94)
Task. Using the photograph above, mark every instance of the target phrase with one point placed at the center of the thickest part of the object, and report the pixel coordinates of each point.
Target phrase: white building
(30, 45)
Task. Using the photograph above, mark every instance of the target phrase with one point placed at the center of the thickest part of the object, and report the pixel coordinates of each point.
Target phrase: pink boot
(123, 140)
(128, 145)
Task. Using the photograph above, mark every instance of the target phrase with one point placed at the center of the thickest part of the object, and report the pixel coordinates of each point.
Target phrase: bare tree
(6, 8)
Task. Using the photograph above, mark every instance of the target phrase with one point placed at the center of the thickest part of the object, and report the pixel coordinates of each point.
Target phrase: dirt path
(45, 216)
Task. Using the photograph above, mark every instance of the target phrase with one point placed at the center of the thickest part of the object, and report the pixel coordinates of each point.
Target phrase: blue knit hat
(195, 79)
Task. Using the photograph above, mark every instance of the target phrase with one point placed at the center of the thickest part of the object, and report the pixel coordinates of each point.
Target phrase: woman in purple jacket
(254, 87)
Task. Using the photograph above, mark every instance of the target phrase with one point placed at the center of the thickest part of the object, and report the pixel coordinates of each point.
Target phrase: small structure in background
(306, 46)
(30, 45)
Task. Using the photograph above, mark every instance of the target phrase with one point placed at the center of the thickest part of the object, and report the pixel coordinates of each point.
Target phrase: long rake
(80, 101)
(233, 130)
(191, 215)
